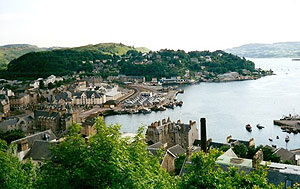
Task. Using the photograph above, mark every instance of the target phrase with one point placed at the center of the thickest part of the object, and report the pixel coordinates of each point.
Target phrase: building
(25, 144)
(171, 154)
(88, 98)
(133, 79)
(25, 123)
(4, 104)
(19, 101)
(277, 172)
(172, 133)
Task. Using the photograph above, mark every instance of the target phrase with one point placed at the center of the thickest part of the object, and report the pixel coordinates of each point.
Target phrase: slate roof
(176, 150)
(284, 154)
(40, 113)
(154, 148)
(37, 136)
(88, 94)
(6, 123)
(40, 150)
(62, 95)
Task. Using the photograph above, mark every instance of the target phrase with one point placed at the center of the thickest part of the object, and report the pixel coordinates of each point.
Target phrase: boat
(248, 127)
(287, 138)
(277, 137)
(259, 126)
(179, 103)
(181, 91)
(271, 139)
(288, 131)
(296, 59)
(274, 146)
(295, 131)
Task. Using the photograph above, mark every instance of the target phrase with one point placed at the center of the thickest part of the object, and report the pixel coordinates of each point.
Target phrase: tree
(240, 150)
(106, 161)
(12, 135)
(14, 174)
(51, 85)
(204, 172)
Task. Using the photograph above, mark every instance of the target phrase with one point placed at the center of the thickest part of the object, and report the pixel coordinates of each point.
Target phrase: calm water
(228, 107)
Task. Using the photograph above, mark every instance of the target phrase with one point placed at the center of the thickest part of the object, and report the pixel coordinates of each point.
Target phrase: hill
(110, 48)
(10, 52)
(275, 50)
(111, 59)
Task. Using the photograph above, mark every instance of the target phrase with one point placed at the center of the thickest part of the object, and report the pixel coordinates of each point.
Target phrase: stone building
(19, 101)
(4, 104)
(172, 133)
(88, 98)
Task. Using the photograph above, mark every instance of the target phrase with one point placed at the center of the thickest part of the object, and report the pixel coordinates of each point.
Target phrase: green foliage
(10, 52)
(14, 174)
(107, 161)
(51, 86)
(204, 172)
(178, 163)
(224, 148)
(240, 150)
(112, 59)
(248, 152)
(74, 129)
(12, 135)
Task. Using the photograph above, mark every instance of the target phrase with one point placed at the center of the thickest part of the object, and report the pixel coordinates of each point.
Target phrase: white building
(88, 98)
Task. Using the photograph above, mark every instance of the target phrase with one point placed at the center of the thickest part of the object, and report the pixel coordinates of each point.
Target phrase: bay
(229, 106)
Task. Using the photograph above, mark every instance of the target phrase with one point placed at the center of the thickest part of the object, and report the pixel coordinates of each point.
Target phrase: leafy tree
(14, 174)
(240, 150)
(107, 161)
(12, 135)
(204, 172)
(51, 85)
(178, 163)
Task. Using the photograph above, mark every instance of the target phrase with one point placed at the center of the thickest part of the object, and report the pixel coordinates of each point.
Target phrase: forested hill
(10, 52)
(275, 50)
(114, 59)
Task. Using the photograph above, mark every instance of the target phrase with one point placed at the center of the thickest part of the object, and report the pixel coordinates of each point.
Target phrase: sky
(155, 24)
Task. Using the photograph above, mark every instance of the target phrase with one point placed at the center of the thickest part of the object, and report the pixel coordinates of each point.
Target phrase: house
(20, 101)
(45, 120)
(88, 98)
(40, 150)
(111, 104)
(277, 172)
(285, 155)
(24, 123)
(133, 79)
(171, 154)
(62, 98)
(171, 133)
(297, 155)
(25, 144)
(4, 104)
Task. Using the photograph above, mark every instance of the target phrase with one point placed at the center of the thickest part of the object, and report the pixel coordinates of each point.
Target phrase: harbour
(229, 106)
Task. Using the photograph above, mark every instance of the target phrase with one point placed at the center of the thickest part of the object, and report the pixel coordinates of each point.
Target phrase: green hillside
(10, 52)
(112, 59)
(110, 48)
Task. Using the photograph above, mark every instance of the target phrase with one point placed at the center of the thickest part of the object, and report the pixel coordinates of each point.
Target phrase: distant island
(113, 59)
(274, 50)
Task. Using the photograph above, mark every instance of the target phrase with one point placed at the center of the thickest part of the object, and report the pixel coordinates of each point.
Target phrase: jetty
(289, 124)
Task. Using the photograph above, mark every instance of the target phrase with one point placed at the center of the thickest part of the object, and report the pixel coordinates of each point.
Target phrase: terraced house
(88, 98)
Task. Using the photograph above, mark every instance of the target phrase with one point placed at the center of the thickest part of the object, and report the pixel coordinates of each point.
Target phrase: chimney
(228, 139)
(178, 122)
(191, 122)
(257, 158)
(203, 134)
(251, 142)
